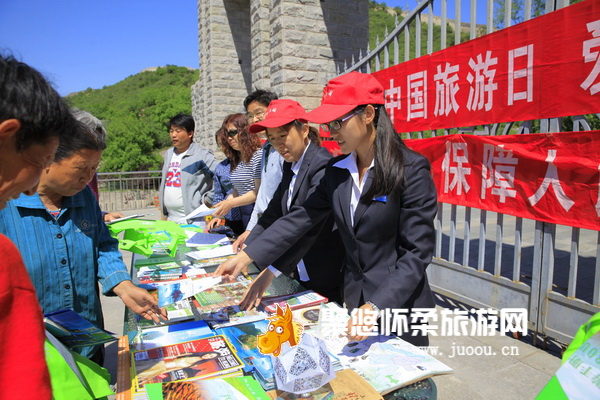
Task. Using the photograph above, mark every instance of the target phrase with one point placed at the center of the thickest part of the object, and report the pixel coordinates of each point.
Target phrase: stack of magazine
(208, 348)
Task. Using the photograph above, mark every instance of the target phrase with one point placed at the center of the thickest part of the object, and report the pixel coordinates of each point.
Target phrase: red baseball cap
(344, 93)
(279, 113)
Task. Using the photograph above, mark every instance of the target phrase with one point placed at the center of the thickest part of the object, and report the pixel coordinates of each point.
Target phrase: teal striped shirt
(66, 256)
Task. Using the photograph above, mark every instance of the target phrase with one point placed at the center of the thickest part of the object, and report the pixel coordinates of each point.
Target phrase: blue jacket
(66, 257)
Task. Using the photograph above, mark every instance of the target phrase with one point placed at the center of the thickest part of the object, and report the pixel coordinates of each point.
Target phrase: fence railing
(489, 259)
(128, 190)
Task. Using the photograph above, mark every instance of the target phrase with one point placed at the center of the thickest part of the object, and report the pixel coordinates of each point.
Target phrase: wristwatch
(375, 308)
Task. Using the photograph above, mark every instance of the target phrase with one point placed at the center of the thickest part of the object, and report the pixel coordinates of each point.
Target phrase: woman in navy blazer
(317, 259)
(383, 200)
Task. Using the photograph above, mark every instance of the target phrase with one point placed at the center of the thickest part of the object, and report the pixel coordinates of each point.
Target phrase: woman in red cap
(317, 259)
(383, 200)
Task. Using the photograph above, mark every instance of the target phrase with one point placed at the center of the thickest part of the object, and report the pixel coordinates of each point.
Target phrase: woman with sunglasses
(243, 149)
(317, 259)
(383, 200)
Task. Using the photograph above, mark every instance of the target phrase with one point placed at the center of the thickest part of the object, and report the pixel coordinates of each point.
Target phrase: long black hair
(389, 149)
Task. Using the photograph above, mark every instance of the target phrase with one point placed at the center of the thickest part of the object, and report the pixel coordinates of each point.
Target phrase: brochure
(200, 358)
(75, 331)
(236, 388)
(170, 334)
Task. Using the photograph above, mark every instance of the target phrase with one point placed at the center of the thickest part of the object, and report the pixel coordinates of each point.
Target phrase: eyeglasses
(337, 124)
(232, 133)
(258, 115)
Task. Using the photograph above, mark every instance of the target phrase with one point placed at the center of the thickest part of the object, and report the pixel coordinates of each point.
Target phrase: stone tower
(291, 47)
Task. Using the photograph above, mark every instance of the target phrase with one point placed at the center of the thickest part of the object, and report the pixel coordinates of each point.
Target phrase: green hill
(136, 112)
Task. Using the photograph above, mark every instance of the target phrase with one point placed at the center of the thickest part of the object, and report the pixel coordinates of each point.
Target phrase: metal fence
(486, 259)
(121, 191)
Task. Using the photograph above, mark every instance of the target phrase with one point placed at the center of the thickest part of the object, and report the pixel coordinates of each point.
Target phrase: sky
(78, 44)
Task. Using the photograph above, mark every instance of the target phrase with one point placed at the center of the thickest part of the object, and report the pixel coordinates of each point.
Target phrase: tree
(136, 112)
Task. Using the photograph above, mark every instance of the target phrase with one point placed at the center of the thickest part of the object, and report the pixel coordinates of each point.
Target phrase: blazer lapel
(362, 207)
(310, 152)
(344, 191)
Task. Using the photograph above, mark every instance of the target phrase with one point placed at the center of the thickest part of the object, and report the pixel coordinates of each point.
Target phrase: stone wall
(292, 47)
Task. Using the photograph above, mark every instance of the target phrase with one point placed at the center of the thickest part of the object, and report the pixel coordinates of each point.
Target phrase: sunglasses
(232, 133)
(337, 124)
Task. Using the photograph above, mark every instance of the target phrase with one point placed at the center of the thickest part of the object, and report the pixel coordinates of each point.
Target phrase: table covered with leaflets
(208, 349)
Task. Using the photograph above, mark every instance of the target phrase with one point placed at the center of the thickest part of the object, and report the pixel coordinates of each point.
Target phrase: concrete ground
(520, 373)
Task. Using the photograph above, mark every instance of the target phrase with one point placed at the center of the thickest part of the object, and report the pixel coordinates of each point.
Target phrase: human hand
(238, 245)
(140, 301)
(223, 207)
(231, 268)
(108, 217)
(361, 321)
(256, 290)
(214, 222)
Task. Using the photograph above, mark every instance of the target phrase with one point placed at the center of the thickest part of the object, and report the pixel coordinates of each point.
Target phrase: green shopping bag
(145, 237)
(72, 375)
(579, 375)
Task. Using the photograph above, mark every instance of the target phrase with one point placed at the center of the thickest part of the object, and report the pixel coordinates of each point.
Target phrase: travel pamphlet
(75, 331)
(235, 388)
(294, 301)
(202, 358)
(170, 334)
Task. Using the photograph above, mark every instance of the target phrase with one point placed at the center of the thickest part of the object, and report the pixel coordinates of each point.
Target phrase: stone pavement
(520, 373)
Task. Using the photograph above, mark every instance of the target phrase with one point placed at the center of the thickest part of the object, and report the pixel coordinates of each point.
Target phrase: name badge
(382, 199)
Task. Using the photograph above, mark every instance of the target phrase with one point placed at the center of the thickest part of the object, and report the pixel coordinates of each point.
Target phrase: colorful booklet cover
(220, 296)
(295, 301)
(170, 334)
(204, 239)
(235, 388)
(244, 340)
(172, 292)
(232, 315)
(75, 331)
(146, 275)
(164, 262)
(176, 312)
(210, 262)
(202, 358)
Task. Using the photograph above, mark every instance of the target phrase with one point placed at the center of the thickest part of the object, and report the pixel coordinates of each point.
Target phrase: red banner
(543, 68)
(547, 177)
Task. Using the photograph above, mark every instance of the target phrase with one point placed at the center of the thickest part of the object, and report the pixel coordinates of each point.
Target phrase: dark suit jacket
(320, 247)
(387, 249)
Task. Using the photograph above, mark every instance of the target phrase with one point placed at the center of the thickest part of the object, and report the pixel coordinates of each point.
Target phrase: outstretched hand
(214, 222)
(231, 268)
(222, 208)
(256, 290)
(140, 301)
(238, 245)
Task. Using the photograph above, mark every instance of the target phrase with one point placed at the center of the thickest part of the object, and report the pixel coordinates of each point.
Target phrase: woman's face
(354, 134)
(20, 171)
(209, 356)
(232, 136)
(70, 175)
(291, 143)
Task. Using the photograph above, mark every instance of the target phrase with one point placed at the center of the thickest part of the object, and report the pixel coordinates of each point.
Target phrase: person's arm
(272, 213)
(110, 216)
(223, 207)
(281, 235)
(211, 163)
